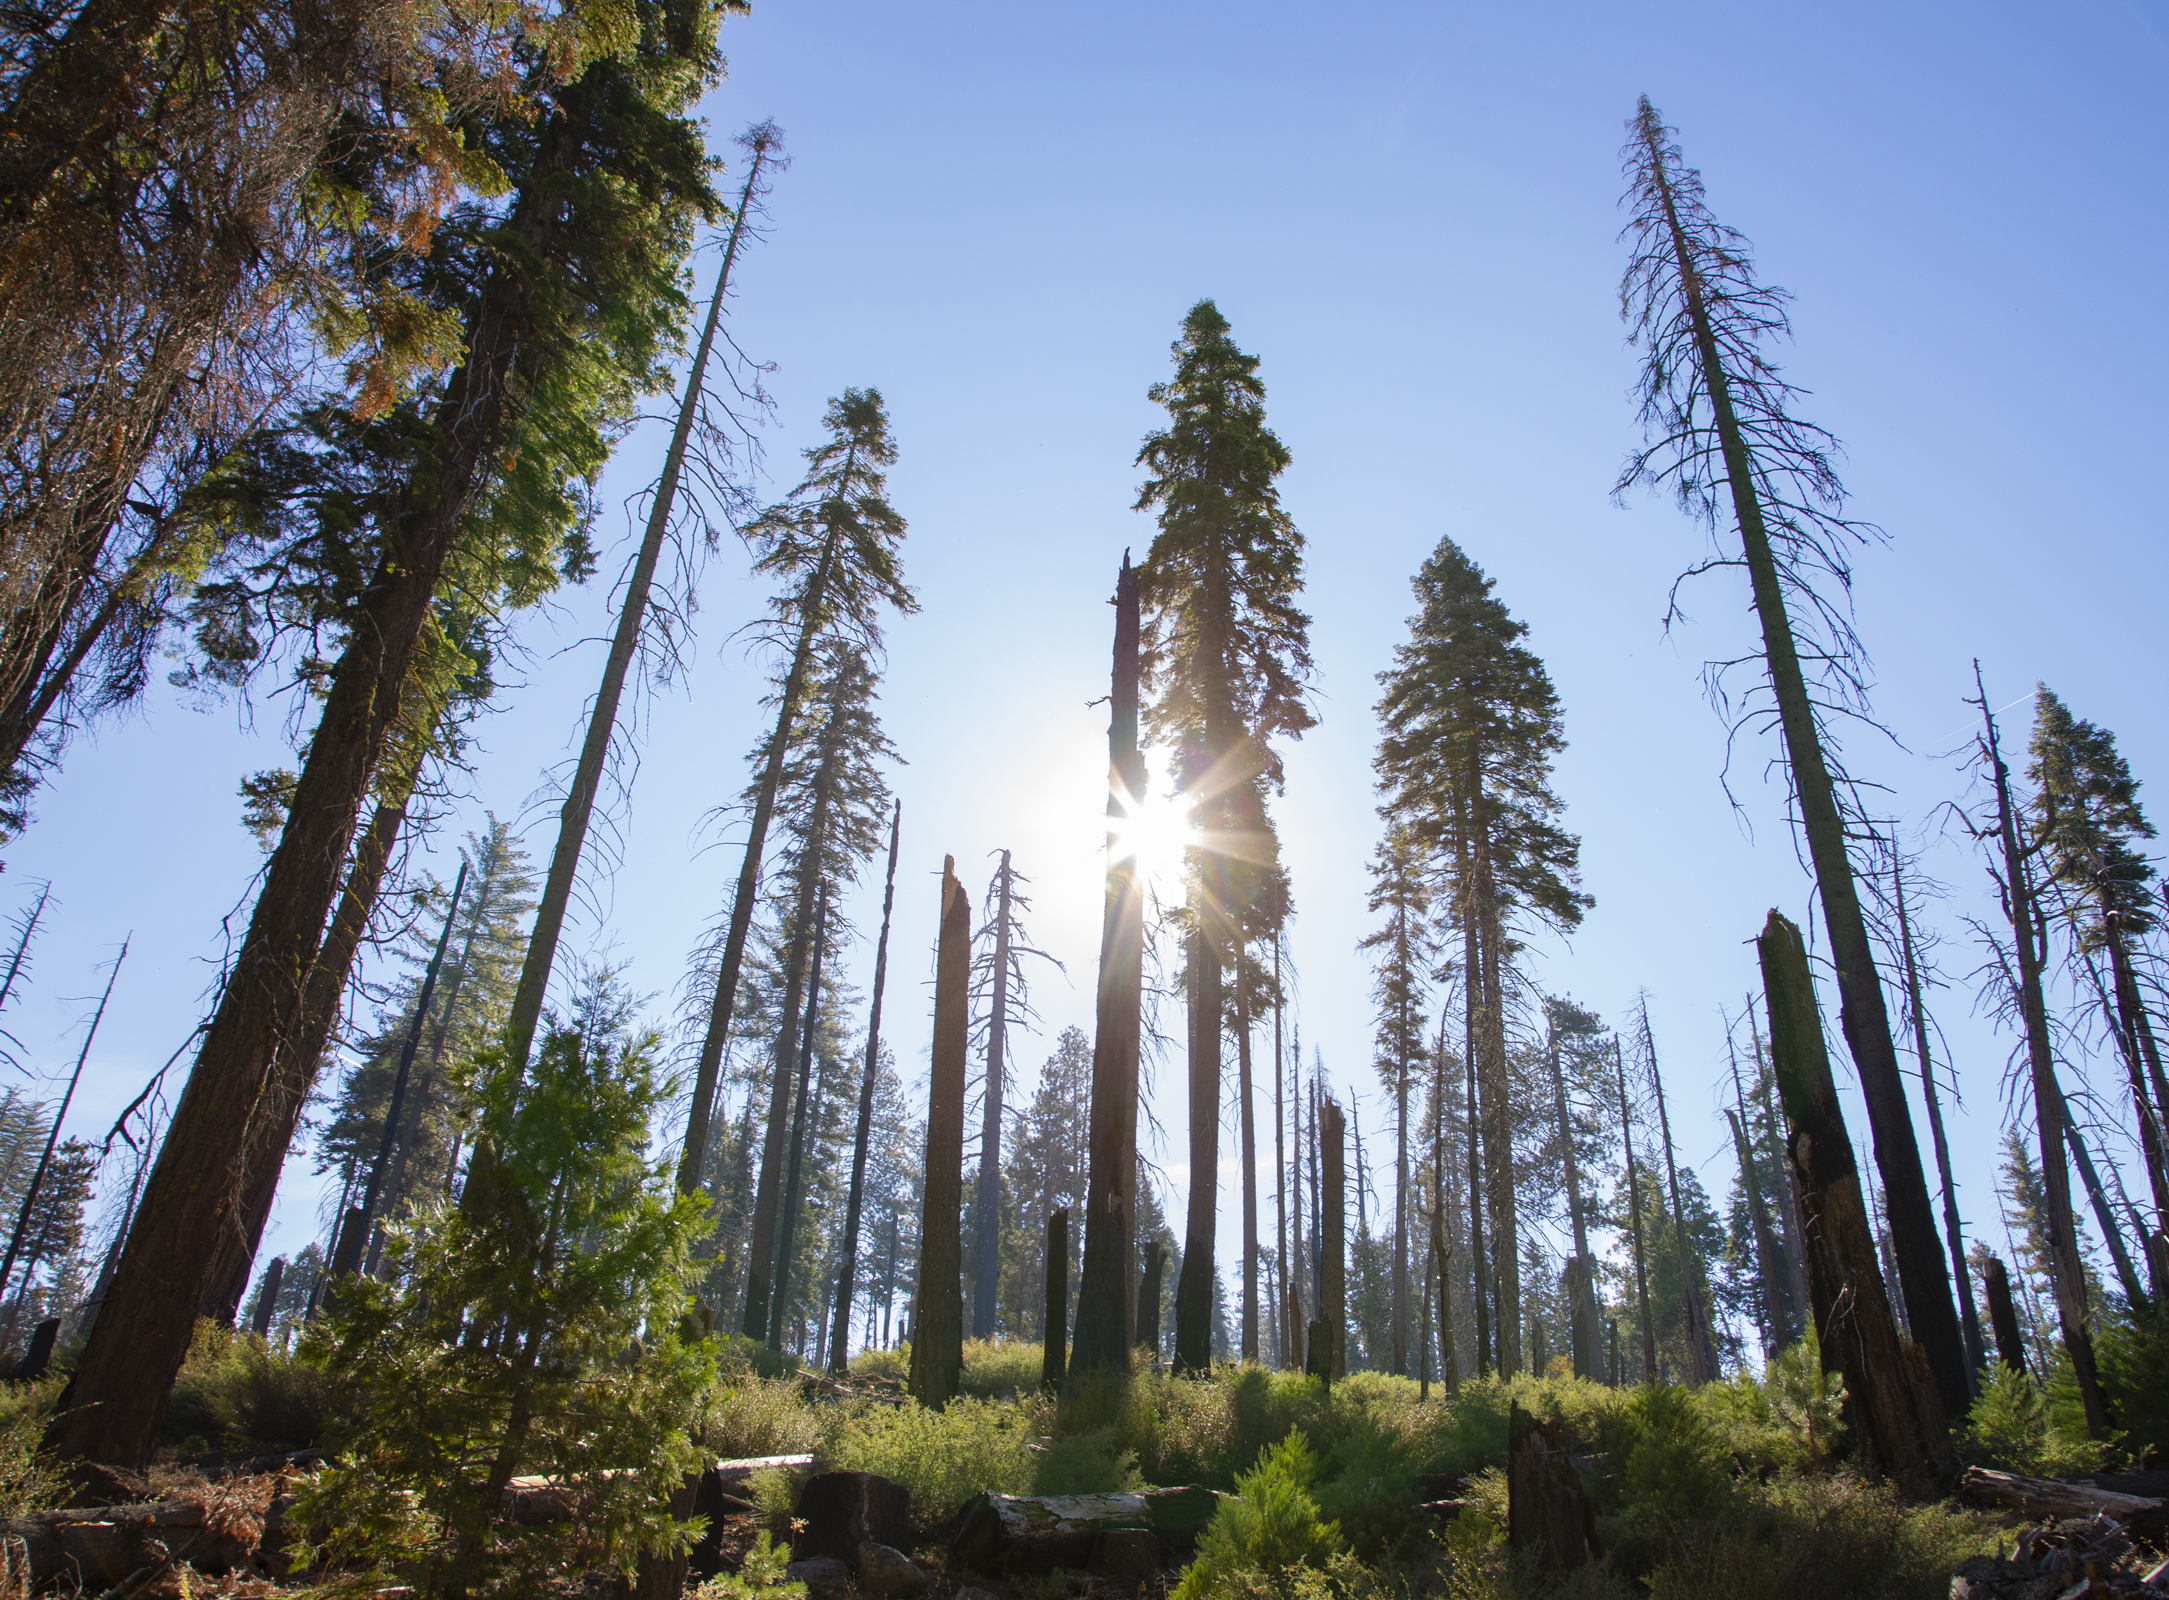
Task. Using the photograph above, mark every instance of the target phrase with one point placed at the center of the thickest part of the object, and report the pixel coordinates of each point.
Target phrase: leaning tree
(1724, 438)
(1226, 656)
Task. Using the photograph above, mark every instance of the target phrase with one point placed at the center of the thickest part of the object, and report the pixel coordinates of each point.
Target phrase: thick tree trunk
(2069, 1275)
(1194, 1284)
(987, 1213)
(2003, 1316)
(1634, 1211)
(1106, 1310)
(1969, 1323)
(802, 1117)
(937, 1331)
(117, 1396)
(839, 1343)
(1054, 1323)
(1148, 1300)
(1930, 1311)
(1891, 1400)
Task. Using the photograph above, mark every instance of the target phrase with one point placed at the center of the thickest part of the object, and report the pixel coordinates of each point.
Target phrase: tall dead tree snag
(1329, 1334)
(1723, 438)
(937, 1332)
(1891, 1401)
(987, 1211)
(2068, 1277)
(2003, 1316)
(1105, 1308)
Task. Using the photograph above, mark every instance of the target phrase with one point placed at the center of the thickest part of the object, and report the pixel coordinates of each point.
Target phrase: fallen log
(97, 1547)
(2064, 1497)
(542, 1498)
(1037, 1533)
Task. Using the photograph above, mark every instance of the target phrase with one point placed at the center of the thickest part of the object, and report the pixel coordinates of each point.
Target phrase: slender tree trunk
(2112, 1232)
(1054, 1322)
(1582, 1302)
(721, 1008)
(1794, 1236)
(1634, 1211)
(801, 1122)
(839, 1339)
(579, 807)
(1698, 1349)
(2135, 1036)
(1476, 1208)
(2069, 1277)
(1106, 1310)
(1194, 1285)
(1498, 1119)
(1148, 1300)
(761, 1244)
(1400, 1166)
(987, 1224)
(1333, 1281)
(1929, 1308)
(1892, 1403)
(1766, 1254)
(937, 1331)
(1969, 1322)
(1249, 1350)
(1285, 1301)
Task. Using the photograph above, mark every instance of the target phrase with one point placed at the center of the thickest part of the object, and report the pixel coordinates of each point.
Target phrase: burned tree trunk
(937, 1331)
(1104, 1306)
(1890, 1398)
(1194, 1284)
(1547, 1509)
(840, 1335)
(1698, 1344)
(1054, 1325)
(1148, 1300)
(2003, 1316)
(987, 1209)
(1332, 1323)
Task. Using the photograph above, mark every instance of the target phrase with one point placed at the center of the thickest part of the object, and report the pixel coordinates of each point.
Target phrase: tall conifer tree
(1226, 656)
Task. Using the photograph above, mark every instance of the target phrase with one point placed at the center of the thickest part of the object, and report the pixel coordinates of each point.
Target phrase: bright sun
(1158, 832)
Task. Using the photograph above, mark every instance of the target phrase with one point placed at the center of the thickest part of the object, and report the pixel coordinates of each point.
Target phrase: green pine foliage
(1272, 1527)
(534, 1328)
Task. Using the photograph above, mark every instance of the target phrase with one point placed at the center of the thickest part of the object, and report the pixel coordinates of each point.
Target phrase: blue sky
(998, 214)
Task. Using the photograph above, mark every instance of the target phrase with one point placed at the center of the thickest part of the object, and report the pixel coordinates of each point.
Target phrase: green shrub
(1368, 1489)
(760, 1577)
(1000, 1368)
(1271, 1530)
(895, 1364)
(1086, 1463)
(1675, 1463)
(240, 1395)
(943, 1457)
(1820, 1538)
(2133, 1351)
(748, 1415)
(28, 1481)
(775, 1491)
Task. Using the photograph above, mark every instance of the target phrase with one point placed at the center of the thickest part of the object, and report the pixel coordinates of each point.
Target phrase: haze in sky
(998, 214)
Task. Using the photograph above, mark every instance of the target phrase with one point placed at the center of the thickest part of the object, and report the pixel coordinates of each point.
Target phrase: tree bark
(1476, 1208)
(839, 1343)
(1634, 1211)
(1286, 1298)
(1890, 1398)
(808, 1088)
(1194, 1284)
(1400, 1166)
(1148, 1301)
(2003, 1316)
(2069, 1276)
(1969, 1322)
(1861, 1012)
(1588, 1343)
(1054, 1323)
(1107, 1313)
(1333, 1281)
(1249, 1345)
(987, 1214)
(937, 1332)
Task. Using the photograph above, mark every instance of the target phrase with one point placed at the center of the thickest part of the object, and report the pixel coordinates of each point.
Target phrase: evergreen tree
(567, 293)
(1226, 656)
(1400, 892)
(831, 545)
(2087, 816)
(1719, 415)
(1470, 725)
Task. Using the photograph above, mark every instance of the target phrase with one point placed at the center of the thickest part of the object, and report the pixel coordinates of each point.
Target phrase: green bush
(1000, 1368)
(1368, 1489)
(1820, 1538)
(748, 1415)
(760, 1577)
(1086, 1463)
(1271, 1530)
(28, 1481)
(2133, 1351)
(239, 1395)
(894, 1364)
(1676, 1462)
(943, 1457)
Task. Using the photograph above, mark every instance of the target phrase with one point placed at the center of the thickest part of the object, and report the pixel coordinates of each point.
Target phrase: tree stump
(1037, 1533)
(1547, 1510)
(844, 1510)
